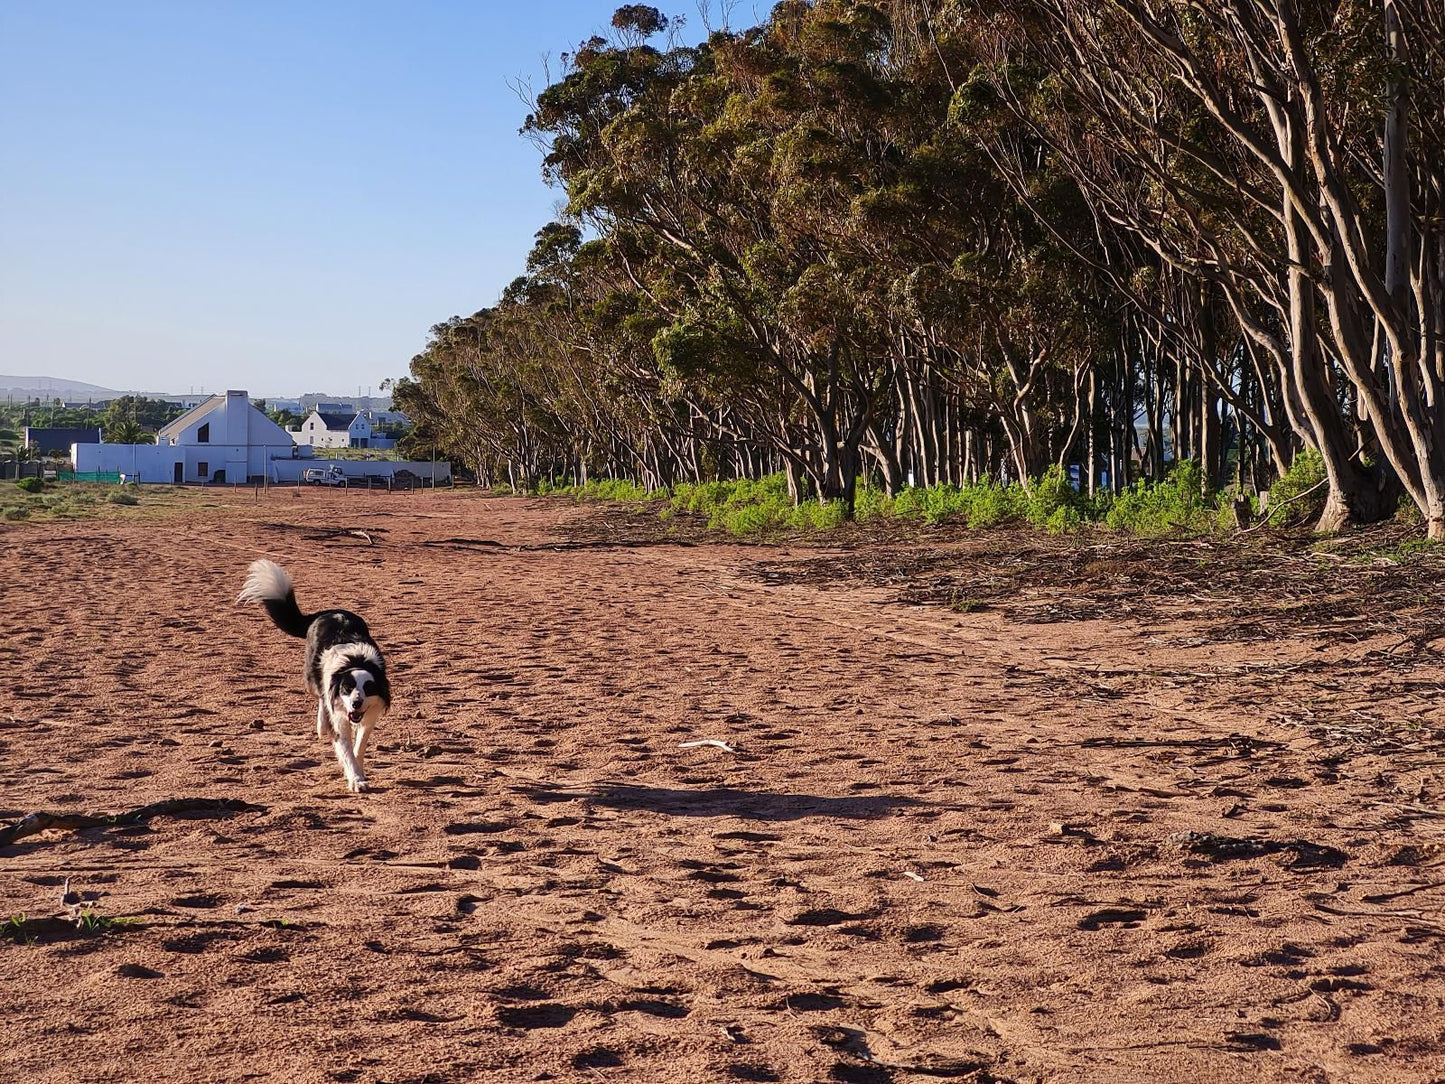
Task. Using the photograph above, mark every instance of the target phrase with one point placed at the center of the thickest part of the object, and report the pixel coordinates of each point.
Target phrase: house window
(203, 434)
(202, 469)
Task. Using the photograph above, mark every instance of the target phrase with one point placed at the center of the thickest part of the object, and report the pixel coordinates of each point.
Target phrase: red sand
(942, 848)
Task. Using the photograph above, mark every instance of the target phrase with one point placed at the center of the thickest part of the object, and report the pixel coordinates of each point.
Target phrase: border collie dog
(344, 667)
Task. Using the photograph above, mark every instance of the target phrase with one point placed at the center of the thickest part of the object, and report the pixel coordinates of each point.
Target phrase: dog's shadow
(721, 801)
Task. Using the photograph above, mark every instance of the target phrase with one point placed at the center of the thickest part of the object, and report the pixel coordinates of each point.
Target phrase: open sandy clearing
(947, 846)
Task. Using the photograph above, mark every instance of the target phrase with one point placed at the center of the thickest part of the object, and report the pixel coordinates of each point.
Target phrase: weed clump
(1304, 474)
(760, 507)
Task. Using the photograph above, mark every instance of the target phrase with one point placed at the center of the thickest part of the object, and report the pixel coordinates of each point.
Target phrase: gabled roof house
(324, 429)
(221, 439)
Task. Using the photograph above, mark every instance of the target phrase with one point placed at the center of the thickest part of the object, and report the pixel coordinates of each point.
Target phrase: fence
(87, 476)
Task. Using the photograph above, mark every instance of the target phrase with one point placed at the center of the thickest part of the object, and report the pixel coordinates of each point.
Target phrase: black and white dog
(344, 667)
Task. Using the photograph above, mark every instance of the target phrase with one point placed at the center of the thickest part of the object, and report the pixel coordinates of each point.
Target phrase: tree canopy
(937, 241)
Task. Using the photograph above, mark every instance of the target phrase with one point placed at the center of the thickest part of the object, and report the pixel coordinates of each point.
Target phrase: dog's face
(356, 693)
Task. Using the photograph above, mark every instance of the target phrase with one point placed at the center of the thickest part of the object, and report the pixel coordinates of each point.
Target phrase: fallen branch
(41, 821)
(1268, 515)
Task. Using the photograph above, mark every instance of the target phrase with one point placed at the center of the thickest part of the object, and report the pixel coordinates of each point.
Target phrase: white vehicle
(324, 476)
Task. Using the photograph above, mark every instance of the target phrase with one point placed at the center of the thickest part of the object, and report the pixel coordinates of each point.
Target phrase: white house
(221, 439)
(328, 430)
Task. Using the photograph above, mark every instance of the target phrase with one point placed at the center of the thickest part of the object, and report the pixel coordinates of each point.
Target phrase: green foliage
(92, 921)
(1304, 474)
(30, 485)
(16, 928)
(1407, 514)
(1175, 504)
(1053, 503)
(983, 504)
(1224, 516)
(755, 507)
(115, 496)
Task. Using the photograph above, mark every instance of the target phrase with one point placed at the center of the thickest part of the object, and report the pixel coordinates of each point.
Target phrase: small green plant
(92, 921)
(120, 496)
(30, 485)
(16, 928)
(959, 602)
(1407, 514)
(1304, 476)
(14, 512)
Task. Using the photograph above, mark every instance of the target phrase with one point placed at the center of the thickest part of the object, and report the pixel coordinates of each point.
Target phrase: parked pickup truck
(324, 476)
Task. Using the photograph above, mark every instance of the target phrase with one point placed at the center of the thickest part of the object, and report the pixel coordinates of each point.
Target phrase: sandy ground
(947, 845)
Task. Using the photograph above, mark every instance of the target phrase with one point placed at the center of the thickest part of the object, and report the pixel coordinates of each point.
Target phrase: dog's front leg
(323, 722)
(363, 736)
(342, 743)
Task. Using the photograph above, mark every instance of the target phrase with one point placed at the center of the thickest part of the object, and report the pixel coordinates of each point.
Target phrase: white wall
(199, 462)
(152, 462)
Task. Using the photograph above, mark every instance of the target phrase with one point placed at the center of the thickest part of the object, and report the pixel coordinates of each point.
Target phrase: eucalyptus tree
(1289, 154)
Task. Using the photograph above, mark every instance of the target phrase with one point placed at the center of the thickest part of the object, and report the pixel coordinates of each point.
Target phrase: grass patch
(75, 500)
(24, 930)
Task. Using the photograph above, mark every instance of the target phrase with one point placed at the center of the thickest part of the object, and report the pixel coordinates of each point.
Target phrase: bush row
(1052, 503)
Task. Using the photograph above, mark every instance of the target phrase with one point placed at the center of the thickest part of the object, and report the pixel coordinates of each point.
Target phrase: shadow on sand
(721, 801)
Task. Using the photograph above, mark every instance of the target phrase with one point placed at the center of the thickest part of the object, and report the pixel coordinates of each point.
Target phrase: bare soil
(998, 808)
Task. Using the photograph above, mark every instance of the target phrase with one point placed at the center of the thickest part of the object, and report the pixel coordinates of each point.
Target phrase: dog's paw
(356, 786)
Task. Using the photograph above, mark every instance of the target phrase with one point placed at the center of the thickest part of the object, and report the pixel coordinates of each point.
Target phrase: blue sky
(274, 196)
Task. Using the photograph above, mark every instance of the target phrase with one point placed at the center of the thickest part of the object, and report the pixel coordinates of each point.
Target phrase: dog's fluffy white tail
(266, 581)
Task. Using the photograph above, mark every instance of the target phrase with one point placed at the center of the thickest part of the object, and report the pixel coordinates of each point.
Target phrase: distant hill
(19, 387)
(54, 387)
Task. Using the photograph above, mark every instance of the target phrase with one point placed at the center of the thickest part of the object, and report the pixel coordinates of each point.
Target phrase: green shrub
(1052, 501)
(1306, 472)
(120, 496)
(817, 515)
(1407, 514)
(1174, 504)
(990, 505)
(14, 511)
(872, 504)
(30, 485)
(909, 503)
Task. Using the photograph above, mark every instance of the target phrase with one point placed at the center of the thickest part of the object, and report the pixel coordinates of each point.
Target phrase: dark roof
(60, 438)
(337, 421)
